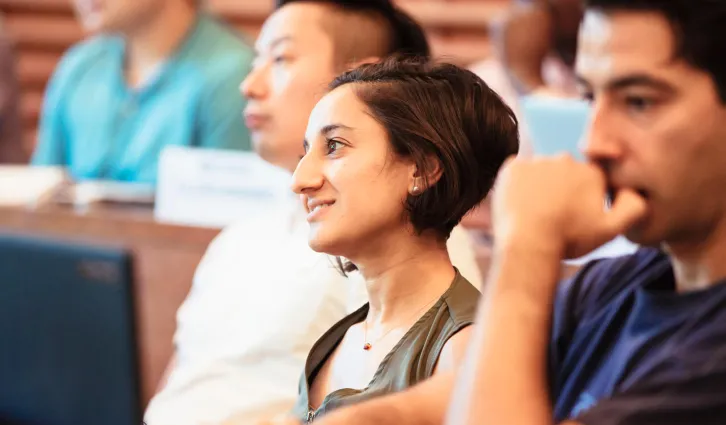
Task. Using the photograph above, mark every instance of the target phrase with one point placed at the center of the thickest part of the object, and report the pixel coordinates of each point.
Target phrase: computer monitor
(67, 334)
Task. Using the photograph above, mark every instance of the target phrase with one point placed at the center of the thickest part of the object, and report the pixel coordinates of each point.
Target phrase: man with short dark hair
(156, 73)
(261, 297)
(301, 48)
(635, 340)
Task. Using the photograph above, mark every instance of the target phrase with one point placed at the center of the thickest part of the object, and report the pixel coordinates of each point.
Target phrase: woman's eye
(333, 146)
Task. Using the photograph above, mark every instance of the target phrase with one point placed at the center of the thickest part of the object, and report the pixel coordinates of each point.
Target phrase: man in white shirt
(261, 297)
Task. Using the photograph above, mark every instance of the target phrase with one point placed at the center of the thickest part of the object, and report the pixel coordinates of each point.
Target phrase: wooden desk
(165, 258)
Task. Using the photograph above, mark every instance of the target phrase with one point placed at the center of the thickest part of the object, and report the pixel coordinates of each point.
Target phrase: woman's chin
(319, 243)
(317, 247)
(322, 247)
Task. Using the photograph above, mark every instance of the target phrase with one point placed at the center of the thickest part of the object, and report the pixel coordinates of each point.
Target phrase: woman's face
(351, 183)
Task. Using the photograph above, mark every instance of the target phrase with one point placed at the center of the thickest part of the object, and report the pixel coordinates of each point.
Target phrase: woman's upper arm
(452, 355)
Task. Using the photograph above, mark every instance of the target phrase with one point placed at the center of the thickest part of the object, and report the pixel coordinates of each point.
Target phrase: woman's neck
(406, 278)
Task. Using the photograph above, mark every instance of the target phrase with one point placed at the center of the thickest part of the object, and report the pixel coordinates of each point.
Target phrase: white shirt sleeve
(463, 257)
(259, 301)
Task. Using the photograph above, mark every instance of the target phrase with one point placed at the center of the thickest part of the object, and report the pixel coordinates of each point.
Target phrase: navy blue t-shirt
(627, 349)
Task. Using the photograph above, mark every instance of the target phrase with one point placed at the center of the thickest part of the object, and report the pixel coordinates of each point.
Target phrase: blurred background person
(261, 297)
(159, 72)
(11, 139)
(537, 42)
(534, 45)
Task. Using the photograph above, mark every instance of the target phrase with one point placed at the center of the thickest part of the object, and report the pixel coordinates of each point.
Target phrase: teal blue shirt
(98, 127)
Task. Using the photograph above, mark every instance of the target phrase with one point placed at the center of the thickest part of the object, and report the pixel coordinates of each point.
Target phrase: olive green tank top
(411, 360)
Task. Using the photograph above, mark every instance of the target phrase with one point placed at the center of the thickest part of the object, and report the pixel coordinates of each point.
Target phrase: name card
(213, 188)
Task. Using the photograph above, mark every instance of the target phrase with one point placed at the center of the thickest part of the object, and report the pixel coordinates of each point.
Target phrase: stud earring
(415, 190)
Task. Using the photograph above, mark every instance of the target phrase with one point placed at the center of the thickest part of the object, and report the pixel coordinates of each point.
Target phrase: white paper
(90, 191)
(25, 186)
(213, 188)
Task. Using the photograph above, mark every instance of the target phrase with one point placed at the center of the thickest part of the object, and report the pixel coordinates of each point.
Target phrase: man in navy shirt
(637, 340)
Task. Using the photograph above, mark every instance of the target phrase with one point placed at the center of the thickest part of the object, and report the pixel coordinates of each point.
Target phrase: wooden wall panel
(44, 29)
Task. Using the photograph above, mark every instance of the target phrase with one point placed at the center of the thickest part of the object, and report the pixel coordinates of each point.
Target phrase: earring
(415, 190)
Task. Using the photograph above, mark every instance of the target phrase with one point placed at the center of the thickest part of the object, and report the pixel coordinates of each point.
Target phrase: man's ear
(367, 60)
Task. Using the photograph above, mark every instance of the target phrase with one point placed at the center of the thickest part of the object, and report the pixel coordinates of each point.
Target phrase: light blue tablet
(556, 125)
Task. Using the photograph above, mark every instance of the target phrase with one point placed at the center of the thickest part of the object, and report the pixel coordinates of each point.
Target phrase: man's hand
(558, 203)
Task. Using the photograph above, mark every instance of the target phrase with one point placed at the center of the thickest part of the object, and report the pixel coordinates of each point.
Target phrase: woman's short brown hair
(445, 113)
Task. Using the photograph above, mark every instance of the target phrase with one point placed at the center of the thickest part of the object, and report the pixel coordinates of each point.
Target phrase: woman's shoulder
(455, 312)
(461, 301)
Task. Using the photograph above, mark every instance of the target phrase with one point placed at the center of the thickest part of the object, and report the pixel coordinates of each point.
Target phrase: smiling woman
(395, 155)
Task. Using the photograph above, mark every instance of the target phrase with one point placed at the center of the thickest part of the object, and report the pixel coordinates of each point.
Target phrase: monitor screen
(67, 332)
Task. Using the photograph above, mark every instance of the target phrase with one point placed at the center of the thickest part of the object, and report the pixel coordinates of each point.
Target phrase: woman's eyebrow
(332, 127)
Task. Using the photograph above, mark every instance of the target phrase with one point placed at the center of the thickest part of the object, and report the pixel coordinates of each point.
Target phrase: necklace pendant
(367, 346)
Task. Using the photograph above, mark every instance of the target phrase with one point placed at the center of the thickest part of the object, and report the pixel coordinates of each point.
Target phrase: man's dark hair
(698, 27)
(441, 117)
(407, 36)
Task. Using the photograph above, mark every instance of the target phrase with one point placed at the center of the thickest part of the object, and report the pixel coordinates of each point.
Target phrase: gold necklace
(367, 346)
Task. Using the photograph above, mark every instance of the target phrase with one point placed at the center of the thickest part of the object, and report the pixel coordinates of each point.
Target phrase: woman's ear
(425, 175)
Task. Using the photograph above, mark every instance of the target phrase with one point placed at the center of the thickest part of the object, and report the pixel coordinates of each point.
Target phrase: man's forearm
(504, 380)
(424, 404)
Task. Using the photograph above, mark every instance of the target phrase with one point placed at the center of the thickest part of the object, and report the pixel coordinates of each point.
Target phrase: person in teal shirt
(158, 73)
